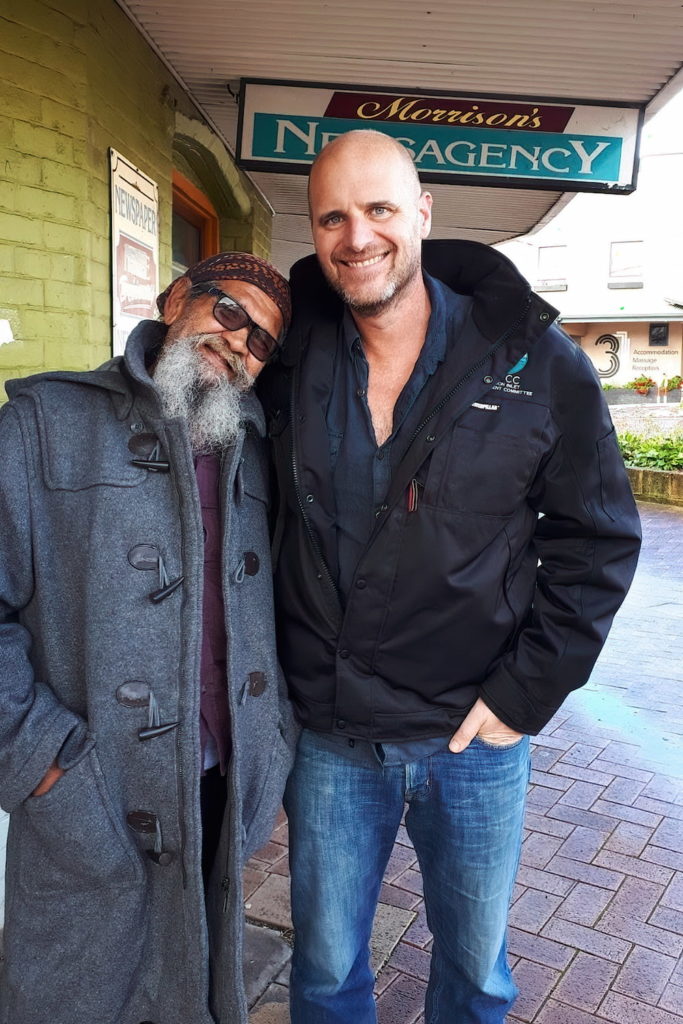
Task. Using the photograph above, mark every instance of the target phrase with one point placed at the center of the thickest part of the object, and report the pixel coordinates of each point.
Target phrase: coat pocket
(259, 819)
(69, 839)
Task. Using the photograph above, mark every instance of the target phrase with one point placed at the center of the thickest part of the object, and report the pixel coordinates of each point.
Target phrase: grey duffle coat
(101, 561)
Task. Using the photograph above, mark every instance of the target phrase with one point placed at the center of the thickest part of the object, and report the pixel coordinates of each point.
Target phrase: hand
(52, 775)
(482, 722)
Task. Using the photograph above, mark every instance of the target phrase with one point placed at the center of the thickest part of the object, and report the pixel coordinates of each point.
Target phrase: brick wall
(74, 82)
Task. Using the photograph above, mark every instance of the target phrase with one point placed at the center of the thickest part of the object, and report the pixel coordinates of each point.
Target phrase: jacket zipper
(322, 564)
(473, 369)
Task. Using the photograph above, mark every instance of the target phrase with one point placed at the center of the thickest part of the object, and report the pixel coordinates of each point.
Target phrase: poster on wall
(524, 142)
(135, 248)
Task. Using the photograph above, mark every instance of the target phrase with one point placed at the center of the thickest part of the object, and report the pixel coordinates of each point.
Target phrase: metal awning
(614, 50)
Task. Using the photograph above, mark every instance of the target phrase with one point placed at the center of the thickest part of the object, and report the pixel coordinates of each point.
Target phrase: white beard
(193, 391)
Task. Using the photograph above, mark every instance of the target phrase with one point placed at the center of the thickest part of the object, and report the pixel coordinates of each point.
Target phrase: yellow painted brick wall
(74, 82)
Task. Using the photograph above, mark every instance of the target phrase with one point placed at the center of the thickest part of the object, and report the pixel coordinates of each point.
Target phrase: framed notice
(509, 141)
(134, 248)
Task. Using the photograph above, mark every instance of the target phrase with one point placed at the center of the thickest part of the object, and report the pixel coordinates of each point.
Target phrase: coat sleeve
(587, 541)
(35, 728)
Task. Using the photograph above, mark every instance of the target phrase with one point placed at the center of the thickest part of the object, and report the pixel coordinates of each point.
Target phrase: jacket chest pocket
(481, 472)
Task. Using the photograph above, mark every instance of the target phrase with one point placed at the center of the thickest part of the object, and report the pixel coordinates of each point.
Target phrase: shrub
(662, 452)
(674, 383)
(641, 384)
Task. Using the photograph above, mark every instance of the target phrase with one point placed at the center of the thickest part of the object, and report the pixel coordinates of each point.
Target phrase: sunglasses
(234, 317)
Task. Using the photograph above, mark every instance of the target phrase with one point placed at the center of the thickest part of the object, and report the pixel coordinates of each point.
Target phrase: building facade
(79, 81)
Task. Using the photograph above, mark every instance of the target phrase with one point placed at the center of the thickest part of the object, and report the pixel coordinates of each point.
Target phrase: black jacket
(473, 593)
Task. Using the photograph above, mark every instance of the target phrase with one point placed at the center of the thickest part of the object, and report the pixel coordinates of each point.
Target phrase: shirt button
(309, 498)
(488, 379)
(341, 724)
(343, 653)
(361, 584)
(380, 455)
(361, 392)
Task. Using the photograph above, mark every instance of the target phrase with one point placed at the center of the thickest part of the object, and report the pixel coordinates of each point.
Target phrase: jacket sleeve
(587, 541)
(35, 728)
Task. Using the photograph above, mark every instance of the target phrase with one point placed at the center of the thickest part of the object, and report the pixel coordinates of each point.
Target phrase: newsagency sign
(482, 140)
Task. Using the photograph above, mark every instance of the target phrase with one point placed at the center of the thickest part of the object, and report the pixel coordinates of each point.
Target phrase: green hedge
(663, 452)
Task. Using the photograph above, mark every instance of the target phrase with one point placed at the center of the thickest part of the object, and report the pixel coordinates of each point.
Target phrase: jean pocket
(499, 746)
(69, 838)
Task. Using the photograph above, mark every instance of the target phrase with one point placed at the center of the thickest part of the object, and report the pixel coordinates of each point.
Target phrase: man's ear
(177, 299)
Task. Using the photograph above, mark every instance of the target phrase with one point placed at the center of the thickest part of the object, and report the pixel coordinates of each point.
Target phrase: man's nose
(358, 233)
(237, 340)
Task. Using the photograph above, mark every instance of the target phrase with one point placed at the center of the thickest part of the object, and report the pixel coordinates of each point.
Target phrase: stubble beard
(209, 402)
(398, 280)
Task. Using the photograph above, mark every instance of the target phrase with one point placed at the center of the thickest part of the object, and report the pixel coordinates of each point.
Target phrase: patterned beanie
(240, 266)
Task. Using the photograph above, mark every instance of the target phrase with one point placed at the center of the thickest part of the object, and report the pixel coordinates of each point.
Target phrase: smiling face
(368, 217)
(220, 349)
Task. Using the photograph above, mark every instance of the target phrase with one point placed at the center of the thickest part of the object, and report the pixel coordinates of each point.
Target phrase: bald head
(368, 216)
(366, 144)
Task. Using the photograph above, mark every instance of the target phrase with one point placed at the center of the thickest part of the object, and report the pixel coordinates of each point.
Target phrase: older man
(430, 619)
(145, 736)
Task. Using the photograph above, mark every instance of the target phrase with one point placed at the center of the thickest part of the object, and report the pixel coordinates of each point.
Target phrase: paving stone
(629, 839)
(584, 904)
(571, 771)
(550, 826)
(632, 930)
(402, 857)
(582, 844)
(544, 880)
(265, 954)
(253, 877)
(627, 813)
(559, 1013)
(623, 771)
(390, 925)
(624, 1010)
(590, 873)
(419, 934)
(539, 849)
(384, 979)
(533, 909)
(610, 947)
(672, 999)
(535, 983)
(623, 791)
(410, 880)
(644, 975)
(578, 816)
(402, 1002)
(269, 904)
(411, 960)
(398, 897)
(271, 1013)
(669, 835)
(633, 866)
(671, 920)
(581, 794)
(540, 798)
(667, 858)
(586, 981)
(543, 758)
(665, 788)
(673, 896)
(538, 949)
(660, 808)
(581, 754)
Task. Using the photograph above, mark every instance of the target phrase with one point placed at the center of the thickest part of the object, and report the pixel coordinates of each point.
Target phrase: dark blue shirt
(361, 469)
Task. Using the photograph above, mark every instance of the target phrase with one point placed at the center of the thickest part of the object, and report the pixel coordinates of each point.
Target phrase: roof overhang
(610, 52)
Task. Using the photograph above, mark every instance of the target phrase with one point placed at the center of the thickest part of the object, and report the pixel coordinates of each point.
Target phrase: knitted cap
(240, 266)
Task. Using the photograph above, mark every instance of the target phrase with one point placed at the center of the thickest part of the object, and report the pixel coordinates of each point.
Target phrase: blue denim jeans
(464, 817)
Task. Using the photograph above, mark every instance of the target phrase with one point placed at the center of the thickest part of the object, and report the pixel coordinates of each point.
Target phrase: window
(195, 225)
(659, 335)
(625, 265)
(552, 268)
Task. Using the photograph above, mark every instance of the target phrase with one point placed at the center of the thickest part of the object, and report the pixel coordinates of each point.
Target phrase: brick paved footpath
(596, 925)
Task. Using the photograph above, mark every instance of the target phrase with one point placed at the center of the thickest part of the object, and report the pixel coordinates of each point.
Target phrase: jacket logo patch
(511, 384)
(485, 405)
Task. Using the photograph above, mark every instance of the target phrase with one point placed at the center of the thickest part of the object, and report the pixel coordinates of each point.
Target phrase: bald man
(426, 412)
